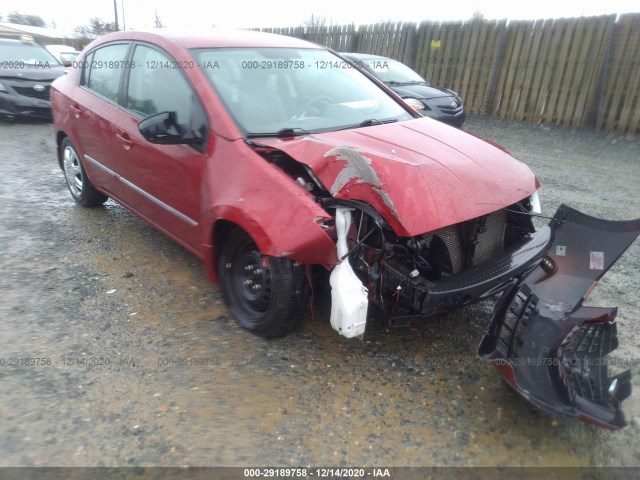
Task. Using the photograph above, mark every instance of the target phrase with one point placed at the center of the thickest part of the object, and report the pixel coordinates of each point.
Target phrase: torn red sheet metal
(401, 171)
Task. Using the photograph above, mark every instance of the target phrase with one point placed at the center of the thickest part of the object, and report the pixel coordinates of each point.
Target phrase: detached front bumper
(550, 348)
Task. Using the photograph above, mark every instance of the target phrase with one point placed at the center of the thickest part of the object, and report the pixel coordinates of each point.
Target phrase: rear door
(95, 111)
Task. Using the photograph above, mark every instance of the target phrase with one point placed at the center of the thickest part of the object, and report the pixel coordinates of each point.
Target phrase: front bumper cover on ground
(549, 347)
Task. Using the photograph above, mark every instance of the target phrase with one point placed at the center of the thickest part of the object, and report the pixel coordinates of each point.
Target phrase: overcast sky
(202, 13)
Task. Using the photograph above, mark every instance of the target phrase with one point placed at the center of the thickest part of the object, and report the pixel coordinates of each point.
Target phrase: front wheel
(264, 294)
(81, 188)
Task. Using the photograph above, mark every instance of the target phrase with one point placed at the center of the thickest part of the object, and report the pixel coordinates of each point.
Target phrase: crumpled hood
(421, 175)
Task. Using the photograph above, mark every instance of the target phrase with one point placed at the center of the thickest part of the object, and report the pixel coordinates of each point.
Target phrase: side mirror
(163, 128)
(67, 63)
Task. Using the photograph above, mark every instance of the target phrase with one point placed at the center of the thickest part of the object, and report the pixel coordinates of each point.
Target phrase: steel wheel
(264, 294)
(250, 276)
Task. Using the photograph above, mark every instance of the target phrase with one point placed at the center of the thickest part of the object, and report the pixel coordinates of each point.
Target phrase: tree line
(93, 29)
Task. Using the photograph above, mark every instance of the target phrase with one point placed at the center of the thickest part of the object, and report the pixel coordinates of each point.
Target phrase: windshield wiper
(370, 122)
(282, 133)
(412, 82)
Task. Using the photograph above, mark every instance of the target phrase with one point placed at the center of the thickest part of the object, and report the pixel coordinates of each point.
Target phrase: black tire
(81, 188)
(266, 295)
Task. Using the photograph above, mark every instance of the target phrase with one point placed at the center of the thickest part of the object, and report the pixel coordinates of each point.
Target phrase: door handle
(124, 140)
(76, 110)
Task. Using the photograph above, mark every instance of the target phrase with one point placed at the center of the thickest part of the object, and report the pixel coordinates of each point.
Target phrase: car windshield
(27, 53)
(277, 91)
(391, 71)
(69, 56)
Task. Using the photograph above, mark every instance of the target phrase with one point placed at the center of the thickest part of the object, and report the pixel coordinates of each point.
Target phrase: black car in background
(26, 73)
(435, 102)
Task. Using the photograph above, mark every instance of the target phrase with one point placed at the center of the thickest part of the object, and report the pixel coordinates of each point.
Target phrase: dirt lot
(104, 301)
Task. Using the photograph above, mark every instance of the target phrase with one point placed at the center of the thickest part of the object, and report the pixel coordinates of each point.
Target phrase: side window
(105, 70)
(86, 68)
(157, 85)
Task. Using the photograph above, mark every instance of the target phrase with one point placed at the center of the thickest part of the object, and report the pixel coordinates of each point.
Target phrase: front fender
(303, 239)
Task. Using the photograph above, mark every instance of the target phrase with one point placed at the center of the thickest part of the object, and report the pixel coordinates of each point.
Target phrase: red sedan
(265, 155)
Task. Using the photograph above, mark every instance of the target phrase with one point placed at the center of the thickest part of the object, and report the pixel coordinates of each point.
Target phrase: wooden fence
(579, 71)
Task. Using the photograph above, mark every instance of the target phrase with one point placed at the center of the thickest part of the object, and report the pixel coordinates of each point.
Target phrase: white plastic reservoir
(349, 297)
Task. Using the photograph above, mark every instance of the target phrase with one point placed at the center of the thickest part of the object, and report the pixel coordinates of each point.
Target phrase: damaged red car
(265, 155)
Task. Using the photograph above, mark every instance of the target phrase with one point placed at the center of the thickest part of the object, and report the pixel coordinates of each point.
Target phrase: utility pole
(115, 13)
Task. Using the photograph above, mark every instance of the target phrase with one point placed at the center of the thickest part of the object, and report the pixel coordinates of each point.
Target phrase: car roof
(212, 38)
(12, 41)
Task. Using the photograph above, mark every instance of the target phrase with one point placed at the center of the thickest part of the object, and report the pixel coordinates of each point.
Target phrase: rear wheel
(81, 188)
(265, 294)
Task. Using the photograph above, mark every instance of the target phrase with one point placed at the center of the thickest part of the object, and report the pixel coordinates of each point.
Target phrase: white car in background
(64, 53)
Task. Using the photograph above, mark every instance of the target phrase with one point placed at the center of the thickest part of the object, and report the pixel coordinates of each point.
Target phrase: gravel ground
(103, 300)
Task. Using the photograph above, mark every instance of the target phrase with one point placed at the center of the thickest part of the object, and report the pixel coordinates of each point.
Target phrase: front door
(163, 183)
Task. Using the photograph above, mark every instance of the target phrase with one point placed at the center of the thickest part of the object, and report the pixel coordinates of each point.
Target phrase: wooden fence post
(495, 69)
(410, 52)
(604, 77)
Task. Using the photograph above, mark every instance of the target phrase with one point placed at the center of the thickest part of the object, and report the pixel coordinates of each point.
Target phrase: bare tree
(477, 16)
(315, 21)
(157, 22)
(22, 19)
(95, 28)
